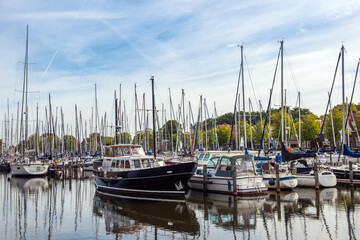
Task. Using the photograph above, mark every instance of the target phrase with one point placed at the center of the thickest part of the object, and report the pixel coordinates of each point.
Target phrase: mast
(136, 138)
(37, 131)
(50, 116)
(282, 89)
(251, 136)
(243, 95)
(299, 122)
(144, 117)
(171, 124)
(96, 121)
(116, 119)
(285, 120)
(343, 132)
(153, 108)
(119, 115)
(183, 118)
(23, 135)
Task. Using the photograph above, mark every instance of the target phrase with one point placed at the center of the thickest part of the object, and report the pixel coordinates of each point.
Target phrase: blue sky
(188, 45)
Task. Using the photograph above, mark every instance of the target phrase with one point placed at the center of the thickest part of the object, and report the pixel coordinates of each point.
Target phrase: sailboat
(24, 165)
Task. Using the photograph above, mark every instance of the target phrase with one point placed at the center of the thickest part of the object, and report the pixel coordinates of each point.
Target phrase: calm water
(42, 208)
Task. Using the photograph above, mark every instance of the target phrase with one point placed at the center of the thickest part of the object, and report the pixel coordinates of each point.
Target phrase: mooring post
(331, 160)
(277, 177)
(316, 175)
(351, 173)
(205, 178)
(234, 175)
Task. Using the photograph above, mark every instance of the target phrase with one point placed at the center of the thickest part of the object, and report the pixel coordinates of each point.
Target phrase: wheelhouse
(126, 157)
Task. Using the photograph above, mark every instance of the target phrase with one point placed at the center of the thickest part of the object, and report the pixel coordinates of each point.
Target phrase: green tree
(310, 127)
(69, 143)
(225, 118)
(276, 125)
(223, 135)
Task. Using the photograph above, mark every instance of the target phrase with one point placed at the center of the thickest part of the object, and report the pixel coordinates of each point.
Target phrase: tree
(276, 125)
(225, 119)
(310, 127)
(223, 135)
(69, 143)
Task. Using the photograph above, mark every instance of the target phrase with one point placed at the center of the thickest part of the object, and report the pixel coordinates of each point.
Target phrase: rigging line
(332, 87)
(159, 97)
(252, 85)
(291, 71)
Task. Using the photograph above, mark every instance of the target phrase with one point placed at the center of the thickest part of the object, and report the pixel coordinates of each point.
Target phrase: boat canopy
(348, 152)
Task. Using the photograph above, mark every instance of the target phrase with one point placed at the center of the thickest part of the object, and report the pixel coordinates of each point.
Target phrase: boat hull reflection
(126, 216)
(228, 212)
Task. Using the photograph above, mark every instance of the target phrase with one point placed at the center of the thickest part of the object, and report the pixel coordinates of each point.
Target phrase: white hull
(286, 181)
(28, 169)
(326, 179)
(246, 185)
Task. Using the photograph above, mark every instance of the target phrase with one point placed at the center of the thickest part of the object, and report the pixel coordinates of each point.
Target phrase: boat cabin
(222, 165)
(128, 157)
(124, 150)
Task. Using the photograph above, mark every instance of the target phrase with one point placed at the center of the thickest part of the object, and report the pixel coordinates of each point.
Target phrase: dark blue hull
(170, 182)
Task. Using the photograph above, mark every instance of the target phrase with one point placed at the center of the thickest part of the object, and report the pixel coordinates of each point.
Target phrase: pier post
(331, 160)
(317, 203)
(234, 175)
(277, 177)
(205, 179)
(351, 173)
(316, 175)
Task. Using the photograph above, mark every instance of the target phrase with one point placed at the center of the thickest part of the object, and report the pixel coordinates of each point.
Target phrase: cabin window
(134, 150)
(109, 152)
(146, 163)
(225, 161)
(206, 157)
(118, 151)
(113, 164)
(117, 163)
(127, 164)
(137, 164)
(213, 162)
(244, 165)
(126, 150)
(140, 151)
(122, 164)
(201, 156)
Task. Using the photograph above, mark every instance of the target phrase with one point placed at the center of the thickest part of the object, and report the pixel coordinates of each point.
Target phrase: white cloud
(187, 45)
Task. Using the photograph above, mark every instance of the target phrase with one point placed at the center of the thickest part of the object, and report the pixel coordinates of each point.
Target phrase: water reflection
(68, 208)
(129, 216)
(228, 212)
(30, 185)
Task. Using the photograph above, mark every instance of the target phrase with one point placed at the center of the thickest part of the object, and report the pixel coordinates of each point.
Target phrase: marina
(179, 120)
(46, 208)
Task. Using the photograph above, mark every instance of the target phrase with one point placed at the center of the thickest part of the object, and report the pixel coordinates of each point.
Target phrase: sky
(190, 45)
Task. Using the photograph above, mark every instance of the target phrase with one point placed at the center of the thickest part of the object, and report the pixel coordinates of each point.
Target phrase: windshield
(244, 165)
(212, 162)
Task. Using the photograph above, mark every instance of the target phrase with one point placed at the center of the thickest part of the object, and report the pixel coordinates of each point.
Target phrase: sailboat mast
(116, 119)
(243, 95)
(299, 122)
(153, 108)
(343, 96)
(282, 90)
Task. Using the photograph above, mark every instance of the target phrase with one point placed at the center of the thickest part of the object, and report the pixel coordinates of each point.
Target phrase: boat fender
(271, 182)
(229, 185)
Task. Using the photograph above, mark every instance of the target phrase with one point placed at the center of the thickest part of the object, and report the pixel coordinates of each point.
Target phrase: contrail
(48, 66)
